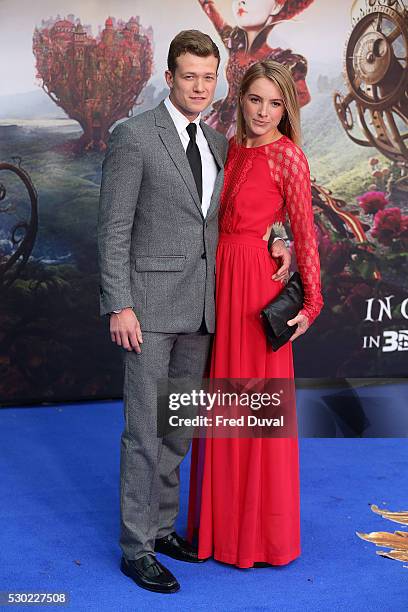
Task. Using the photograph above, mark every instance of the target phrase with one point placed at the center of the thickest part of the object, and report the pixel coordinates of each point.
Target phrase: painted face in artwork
(253, 14)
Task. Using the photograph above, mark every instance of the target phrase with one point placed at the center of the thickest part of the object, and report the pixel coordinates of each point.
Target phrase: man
(157, 237)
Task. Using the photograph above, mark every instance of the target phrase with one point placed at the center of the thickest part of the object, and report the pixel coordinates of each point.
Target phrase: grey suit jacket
(156, 251)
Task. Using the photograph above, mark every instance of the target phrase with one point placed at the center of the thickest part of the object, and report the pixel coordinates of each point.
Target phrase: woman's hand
(302, 325)
(281, 253)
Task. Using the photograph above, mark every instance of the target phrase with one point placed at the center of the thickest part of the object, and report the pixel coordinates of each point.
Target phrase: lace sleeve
(295, 180)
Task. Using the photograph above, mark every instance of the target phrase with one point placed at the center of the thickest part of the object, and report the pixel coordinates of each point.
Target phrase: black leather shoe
(150, 574)
(176, 547)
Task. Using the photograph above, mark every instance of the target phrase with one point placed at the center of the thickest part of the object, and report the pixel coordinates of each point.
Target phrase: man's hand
(280, 252)
(302, 325)
(125, 330)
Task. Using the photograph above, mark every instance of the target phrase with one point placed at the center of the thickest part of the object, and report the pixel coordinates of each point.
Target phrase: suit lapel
(209, 136)
(171, 140)
(208, 133)
(216, 194)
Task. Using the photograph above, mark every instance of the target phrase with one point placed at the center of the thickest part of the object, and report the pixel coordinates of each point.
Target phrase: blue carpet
(59, 522)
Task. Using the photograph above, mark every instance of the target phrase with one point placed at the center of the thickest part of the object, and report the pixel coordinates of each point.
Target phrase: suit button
(204, 256)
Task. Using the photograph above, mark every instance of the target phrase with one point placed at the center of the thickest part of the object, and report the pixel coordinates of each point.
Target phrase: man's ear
(168, 75)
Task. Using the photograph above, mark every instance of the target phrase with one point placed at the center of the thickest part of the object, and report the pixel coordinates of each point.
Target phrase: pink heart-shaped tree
(96, 81)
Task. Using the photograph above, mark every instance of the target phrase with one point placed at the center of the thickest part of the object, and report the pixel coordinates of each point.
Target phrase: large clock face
(374, 112)
(377, 55)
(371, 58)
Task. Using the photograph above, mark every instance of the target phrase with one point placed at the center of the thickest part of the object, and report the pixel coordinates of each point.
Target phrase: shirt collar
(180, 121)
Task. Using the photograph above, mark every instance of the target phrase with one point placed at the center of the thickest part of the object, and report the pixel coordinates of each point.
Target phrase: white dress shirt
(209, 167)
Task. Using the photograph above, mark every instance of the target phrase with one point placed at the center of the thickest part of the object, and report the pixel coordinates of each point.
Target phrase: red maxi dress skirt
(244, 493)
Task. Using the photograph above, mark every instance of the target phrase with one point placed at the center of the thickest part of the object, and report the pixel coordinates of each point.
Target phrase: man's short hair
(194, 42)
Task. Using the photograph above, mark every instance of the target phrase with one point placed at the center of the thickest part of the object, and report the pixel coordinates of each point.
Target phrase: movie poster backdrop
(68, 77)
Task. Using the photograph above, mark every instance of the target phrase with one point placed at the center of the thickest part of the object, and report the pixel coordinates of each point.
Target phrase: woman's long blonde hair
(282, 78)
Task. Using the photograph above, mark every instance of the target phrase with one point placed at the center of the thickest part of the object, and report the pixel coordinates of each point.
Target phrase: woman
(246, 44)
(249, 507)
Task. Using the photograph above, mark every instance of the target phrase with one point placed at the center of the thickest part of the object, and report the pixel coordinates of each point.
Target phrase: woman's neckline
(268, 144)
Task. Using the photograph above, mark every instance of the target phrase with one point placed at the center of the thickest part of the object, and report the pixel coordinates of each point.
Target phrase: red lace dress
(244, 494)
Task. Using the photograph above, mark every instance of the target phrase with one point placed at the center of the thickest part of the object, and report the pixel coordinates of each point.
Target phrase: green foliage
(335, 161)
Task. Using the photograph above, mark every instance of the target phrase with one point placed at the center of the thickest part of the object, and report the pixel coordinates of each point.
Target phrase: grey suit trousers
(149, 466)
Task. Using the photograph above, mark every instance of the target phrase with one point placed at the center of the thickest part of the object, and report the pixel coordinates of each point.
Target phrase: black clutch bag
(283, 308)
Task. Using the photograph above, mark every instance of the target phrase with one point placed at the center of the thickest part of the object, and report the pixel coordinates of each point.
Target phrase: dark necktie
(194, 158)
